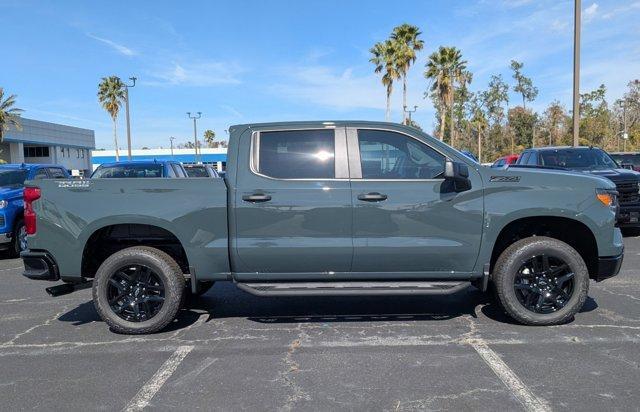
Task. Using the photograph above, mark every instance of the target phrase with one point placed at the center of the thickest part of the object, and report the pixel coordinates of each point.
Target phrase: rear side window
(41, 174)
(197, 171)
(296, 154)
(57, 173)
(390, 155)
(522, 160)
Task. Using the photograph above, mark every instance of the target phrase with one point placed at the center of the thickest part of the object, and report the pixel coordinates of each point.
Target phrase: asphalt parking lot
(229, 350)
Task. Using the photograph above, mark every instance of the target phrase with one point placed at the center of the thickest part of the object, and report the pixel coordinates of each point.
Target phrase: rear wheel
(138, 290)
(19, 241)
(541, 281)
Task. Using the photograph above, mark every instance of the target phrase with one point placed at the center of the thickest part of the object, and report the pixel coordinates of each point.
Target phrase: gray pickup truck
(327, 208)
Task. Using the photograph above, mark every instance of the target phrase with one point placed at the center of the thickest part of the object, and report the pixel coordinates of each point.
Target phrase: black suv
(597, 162)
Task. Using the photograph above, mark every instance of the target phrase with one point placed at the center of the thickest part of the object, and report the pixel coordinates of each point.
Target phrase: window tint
(171, 171)
(12, 178)
(299, 154)
(499, 163)
(41, 174)
(120, 171)
(533, 159)
(389, 155)
(196, 171)
(56, 173)
(578, 159)
(522, 160)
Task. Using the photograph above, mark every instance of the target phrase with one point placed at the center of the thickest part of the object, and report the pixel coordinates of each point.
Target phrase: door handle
(372, 197)
(256, 198)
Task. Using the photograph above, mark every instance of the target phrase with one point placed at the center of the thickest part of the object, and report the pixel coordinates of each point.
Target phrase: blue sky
(250, 61)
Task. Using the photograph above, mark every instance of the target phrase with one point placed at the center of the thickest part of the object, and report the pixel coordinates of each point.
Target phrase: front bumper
(608, 267)
(5, 238)
(628, 216)
(39, 266)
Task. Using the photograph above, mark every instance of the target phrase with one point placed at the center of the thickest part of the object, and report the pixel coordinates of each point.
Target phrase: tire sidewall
(516, 255)
(171, 281)
(15, 245)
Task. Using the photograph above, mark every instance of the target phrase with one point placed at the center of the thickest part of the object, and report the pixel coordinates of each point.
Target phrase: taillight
(31, 194)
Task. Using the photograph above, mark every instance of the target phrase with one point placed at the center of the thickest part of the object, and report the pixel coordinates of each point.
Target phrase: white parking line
(153, 385)
(529, 401)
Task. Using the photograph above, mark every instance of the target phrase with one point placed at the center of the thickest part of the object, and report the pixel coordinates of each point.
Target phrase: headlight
(3, 204)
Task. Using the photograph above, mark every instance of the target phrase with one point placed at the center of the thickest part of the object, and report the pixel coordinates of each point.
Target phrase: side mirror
(458, 174)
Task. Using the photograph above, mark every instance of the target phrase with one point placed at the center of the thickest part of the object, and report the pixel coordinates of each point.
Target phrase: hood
(10, 191)
(617, 175)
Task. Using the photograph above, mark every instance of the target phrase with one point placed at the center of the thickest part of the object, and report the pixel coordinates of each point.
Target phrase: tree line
(483, 122)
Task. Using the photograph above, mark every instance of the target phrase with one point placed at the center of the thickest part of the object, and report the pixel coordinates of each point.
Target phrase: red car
(505, 160)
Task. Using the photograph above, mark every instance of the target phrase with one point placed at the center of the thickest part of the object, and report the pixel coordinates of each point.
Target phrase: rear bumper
(39, 266)
(608, 267)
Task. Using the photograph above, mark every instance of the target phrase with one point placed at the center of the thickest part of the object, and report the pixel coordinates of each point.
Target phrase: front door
(408, 223)
(292, 205)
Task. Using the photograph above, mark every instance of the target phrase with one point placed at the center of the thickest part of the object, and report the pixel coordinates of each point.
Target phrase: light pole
(171, 139)
(576, 72)
(410, 112)
(126, 98)
(195, 133)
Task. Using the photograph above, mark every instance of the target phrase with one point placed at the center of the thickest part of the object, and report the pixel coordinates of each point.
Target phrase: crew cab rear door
(407, 224)
(292, 212)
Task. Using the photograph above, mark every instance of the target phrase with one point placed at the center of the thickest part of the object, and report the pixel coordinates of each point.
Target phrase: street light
(126, 99)
(576, 72)
(410, 112)
(195, 134)
(171, 139)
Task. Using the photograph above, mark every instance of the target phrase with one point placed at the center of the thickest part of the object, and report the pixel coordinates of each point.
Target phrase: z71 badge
(75, 183)
(505, 179)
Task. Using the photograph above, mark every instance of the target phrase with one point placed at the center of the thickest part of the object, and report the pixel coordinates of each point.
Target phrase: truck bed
(70, 212)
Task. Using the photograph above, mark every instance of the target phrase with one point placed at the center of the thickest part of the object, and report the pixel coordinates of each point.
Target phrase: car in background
(597, 162)
(200, 170)
(505, 161)
(627, 160)
(140, 168)
(13, 235)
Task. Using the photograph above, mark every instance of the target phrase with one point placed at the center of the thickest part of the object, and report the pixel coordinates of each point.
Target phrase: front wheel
(541, 281)
(138, 290)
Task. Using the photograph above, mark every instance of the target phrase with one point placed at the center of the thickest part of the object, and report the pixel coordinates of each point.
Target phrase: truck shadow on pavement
(226, 301)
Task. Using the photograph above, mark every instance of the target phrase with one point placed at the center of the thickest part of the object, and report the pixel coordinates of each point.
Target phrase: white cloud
(117, 47)
(202, 74)
(617, 11)
(590, 12)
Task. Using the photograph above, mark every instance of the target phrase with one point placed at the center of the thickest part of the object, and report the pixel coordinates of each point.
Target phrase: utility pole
(576, 72)
(625, 135)
(195, 133)
(409, 112)
(171, 139)
(126, 98)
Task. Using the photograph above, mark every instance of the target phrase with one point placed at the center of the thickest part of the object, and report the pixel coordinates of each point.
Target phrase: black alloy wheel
(544, 284)
(135, 293)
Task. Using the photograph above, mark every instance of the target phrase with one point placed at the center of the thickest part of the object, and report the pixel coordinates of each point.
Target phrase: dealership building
(43, 142)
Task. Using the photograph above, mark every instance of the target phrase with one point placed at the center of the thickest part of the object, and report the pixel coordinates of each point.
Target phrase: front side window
(56, 173)
(390, 155)
(533, 160)
(297, 154)
(12, 178)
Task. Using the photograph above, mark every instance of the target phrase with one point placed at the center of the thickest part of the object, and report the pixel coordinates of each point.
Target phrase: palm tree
(9, 115)
(407, 43)
(111, 94)
(382, 56)
(445, 68)
(209, 137)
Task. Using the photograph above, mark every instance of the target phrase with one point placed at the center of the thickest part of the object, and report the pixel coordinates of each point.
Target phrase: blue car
(13, 235)
(140, 168)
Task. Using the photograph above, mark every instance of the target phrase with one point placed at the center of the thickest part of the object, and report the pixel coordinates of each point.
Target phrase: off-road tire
(163, 265)
(509, 263)
(15, 248)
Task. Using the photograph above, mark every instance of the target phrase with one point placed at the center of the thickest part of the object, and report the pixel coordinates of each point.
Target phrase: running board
(353, 288)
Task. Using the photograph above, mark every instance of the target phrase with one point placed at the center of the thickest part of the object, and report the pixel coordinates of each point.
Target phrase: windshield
(120, 171)
(627, 159)
(578, 159)
(12, 178)
(196, 171)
